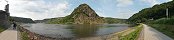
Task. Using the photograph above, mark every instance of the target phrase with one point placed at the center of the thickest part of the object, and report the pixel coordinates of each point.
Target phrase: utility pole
(167, 13)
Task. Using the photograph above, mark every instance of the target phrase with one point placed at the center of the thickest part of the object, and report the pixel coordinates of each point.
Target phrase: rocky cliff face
(84, 10)
(83, 14)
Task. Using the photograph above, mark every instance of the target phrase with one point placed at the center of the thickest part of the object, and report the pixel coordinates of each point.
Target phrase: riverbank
(128, 34)
(28, 35)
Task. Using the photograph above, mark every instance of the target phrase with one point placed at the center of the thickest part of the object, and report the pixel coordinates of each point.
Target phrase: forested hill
(21, 19)
(156, 12)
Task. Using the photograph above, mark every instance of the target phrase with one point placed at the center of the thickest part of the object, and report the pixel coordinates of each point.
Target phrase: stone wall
(4, 19)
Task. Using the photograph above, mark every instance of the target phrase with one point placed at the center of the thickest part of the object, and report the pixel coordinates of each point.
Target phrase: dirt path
(152, 34)
(9, 34)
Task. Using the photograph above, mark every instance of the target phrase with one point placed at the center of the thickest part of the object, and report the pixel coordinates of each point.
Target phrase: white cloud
(170, 0)
(2, 3)
(151, 2)
(124, 3)
(124, 12)
(37, 9)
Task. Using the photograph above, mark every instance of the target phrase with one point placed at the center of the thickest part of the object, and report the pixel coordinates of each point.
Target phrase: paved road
(9, 34)
(152, 34)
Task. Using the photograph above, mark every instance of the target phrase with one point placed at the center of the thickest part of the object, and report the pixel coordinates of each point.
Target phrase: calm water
(78, 31)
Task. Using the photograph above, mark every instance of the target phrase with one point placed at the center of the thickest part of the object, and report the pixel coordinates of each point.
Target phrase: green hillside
(156, 12)
(169, 21)
(156, 17)
(110, 20)
(107, 20)
(21, 20)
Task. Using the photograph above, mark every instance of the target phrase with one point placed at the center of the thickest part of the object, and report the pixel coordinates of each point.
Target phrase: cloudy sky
(41, 9)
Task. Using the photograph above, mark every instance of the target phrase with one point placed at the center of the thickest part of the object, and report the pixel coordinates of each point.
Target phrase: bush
(24, 36)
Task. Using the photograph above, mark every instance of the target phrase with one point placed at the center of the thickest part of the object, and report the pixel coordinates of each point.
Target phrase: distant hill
(21, 20)
(47, 19)
(83, 14)
(41, 21)
(110, 20)
(153, 13)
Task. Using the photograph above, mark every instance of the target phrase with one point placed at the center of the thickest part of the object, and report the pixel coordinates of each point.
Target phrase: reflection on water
(84, 30)
(78, 30)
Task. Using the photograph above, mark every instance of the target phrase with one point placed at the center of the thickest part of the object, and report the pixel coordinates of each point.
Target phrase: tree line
(153, 13)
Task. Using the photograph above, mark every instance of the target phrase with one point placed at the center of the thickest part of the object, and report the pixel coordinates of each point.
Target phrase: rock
(83, 14)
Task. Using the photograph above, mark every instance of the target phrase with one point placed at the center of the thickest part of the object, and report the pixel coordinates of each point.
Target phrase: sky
(41, 9)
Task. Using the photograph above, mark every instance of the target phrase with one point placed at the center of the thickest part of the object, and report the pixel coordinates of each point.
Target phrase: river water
(75, 30)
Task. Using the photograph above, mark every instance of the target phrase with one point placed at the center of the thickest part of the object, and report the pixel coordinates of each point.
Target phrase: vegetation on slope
(156, 17)
(21, 20)
(2, 29)
(110, 20)
(132, 35)
(83, 14)
(164, 25)
(165, 29)
(167, 21)
(65, 20)
(24, 36)
(156, 12)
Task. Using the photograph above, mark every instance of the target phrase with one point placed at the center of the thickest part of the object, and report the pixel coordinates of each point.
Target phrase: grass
(24, 36)
(164, 25)
(132, 35)
(163, 21)
(165, 29)
(2, 29)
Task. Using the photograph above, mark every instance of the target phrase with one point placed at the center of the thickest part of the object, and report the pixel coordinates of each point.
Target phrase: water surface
(75, 30)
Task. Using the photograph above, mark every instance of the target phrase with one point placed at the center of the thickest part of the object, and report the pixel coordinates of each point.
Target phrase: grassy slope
(2, 29)
(24, 36)
(166, 29)
(133, 35)
(169, 21)
(164, 25)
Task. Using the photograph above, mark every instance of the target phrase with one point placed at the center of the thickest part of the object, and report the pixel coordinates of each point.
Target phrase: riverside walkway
(152, 34)
(9, 34)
